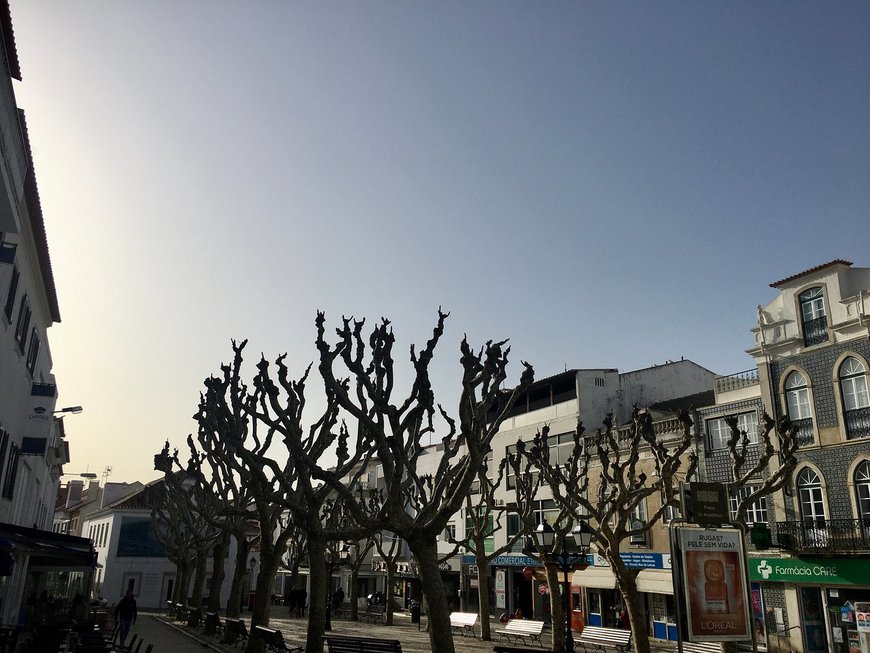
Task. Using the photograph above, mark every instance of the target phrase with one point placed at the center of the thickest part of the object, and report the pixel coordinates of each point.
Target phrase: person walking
(125, 616)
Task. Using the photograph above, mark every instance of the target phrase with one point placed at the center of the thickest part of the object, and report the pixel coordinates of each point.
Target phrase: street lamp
(251, 586)
(572, 555)
(75, 410)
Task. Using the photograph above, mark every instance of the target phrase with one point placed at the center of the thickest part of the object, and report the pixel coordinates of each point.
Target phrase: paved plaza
(171, 637)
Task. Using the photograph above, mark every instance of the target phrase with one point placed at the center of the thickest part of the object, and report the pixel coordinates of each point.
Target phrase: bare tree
(359, 556)
(417, 505)
(193, 521)
(484, 516)
(212, 458)
(242, 426)
(629, 465)
(389, 547)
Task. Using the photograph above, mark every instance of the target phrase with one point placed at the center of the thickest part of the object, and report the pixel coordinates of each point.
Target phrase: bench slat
(598, 638)
(341, 644)
(522, 628)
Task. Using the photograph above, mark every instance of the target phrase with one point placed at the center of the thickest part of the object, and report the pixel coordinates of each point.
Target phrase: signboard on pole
(717, 597)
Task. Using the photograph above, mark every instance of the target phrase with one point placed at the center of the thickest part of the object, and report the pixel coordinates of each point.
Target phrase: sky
(607, 184)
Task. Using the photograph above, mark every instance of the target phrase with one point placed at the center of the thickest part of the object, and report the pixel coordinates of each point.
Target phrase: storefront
(604, 601)
(510, 589)
(39, 563)
(827, 593)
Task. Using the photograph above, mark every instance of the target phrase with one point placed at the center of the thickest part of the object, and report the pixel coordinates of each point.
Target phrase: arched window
(797, 395)
(862, 492)
(856, 400)
(797, 398)
(812, 506)
(813, 320)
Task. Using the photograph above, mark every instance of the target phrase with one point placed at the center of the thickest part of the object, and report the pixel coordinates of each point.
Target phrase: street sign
(706, 504)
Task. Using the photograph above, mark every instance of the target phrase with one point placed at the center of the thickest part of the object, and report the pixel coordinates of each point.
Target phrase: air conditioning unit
(499, 502)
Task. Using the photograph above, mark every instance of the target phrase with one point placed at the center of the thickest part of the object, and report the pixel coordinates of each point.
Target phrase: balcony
(804, 434)
(43, 390)
(745, 379)
(815, 331)
(824, 535)
(7, 252)
(857, 423)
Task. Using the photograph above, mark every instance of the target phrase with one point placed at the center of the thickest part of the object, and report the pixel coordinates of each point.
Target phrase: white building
(131, 558)
(32, 450)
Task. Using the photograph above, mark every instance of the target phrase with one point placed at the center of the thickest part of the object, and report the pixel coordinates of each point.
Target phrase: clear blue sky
(605, 183)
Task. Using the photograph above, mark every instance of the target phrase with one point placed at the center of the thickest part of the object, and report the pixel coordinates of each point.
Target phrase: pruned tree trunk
(199, 579)
(317, 595)
(426, 551)
(218, 572)
(353, 593)
(483, 602)
(262, 600)
(240, 575)
(626, 581)
(557, 611)
(389, 594)
(184, 583)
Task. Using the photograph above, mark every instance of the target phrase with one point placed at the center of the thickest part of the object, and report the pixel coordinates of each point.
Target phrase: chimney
(93, 491)
(74, 491)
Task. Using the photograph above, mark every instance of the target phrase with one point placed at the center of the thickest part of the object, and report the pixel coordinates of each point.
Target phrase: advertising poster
(717, 597)
(500, 598)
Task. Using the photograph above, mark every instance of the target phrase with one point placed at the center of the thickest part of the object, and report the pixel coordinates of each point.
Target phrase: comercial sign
(717, 598)
(646, 560)
(809, 571)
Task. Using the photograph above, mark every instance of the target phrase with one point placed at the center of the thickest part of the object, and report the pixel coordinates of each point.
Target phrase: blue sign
(646, 560)
(513, 561)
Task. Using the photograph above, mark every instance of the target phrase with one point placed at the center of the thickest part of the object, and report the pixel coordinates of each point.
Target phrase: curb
(184, 631)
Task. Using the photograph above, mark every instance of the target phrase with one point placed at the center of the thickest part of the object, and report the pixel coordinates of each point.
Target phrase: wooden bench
(235, 631)
(274, 640)
(373, 613)
(701, 647)
(463, 622)
(598, 638)
(519, 629)
(337, 644)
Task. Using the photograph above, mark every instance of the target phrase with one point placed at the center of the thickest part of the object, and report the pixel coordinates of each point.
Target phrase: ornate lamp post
(252, 564)
(571, 556)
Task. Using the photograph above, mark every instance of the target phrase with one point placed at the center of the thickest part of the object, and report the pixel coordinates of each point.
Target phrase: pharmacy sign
(809, 571)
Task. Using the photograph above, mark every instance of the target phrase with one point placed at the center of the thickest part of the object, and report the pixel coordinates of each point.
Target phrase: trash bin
(415, 612)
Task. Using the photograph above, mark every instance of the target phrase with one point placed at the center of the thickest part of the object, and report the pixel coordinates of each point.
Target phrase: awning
(598, 577)
(47, 549)
(655, 581)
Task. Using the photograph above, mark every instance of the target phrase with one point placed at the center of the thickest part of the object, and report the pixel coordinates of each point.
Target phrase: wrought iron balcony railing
(745, 379)
(815, 331)
(858, 423)
(804, 434)
(841, 535)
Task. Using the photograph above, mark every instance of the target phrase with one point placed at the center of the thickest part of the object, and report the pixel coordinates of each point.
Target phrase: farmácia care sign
(810, 571)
